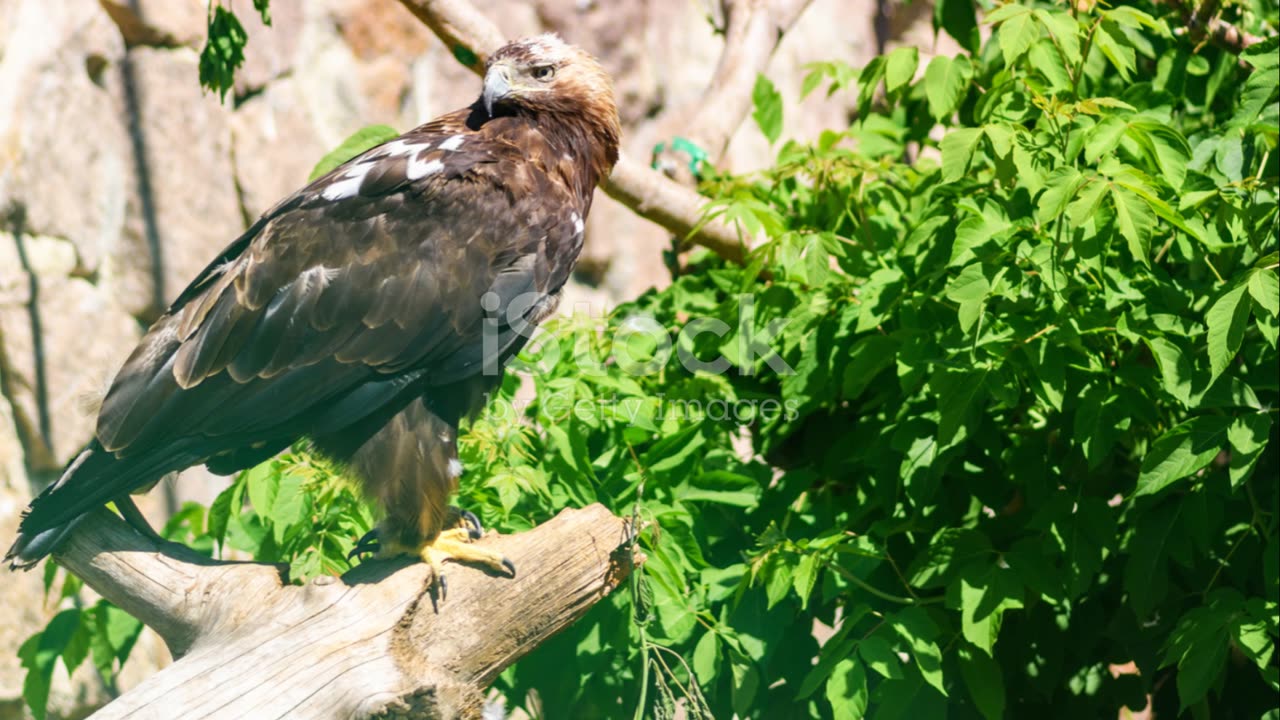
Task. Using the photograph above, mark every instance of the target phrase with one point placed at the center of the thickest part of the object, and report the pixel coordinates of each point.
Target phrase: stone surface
(159, 22)
(275, 146)
(85, 338)
(270, 51)
(63, 150)
(182, 206)
(13, 474)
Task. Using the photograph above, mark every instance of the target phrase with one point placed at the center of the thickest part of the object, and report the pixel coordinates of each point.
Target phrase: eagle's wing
(366, 281)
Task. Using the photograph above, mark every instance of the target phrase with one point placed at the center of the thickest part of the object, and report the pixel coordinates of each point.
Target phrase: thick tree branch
(755, 27)
(373, 643)
(1202, 22)
(753, 30)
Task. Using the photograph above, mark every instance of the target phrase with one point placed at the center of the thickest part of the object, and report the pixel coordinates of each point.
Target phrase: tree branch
(373, 643)
(755, 27)
(753, 31)
(1202, 22)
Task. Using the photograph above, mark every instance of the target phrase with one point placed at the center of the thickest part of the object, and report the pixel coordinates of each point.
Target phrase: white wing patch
(348, 185)
(419, 169)
(453, 143)
(455, 468)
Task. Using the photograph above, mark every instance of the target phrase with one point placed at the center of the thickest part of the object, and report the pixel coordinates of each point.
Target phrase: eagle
(369, 313)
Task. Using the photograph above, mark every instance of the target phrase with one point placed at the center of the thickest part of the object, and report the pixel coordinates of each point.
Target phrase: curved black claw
(509, 566)
(474, 529)
(368, 543)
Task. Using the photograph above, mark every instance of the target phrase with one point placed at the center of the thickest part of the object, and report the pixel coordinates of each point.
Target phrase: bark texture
(376, 642)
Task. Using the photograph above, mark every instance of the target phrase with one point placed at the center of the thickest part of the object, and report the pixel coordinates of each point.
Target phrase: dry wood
(373, 643)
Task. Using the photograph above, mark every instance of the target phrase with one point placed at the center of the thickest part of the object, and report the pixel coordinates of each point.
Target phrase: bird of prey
(369, 312)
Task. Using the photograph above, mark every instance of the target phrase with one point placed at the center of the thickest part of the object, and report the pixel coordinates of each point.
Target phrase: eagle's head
(543, 75)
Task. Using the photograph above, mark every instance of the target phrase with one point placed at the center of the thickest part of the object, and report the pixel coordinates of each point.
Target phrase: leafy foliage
(223, 51)
(986, 428)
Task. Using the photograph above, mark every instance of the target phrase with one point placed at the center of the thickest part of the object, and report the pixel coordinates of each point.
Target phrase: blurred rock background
(120, 178)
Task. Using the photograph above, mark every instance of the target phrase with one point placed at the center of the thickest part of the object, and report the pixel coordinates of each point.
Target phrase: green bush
(1025, 312)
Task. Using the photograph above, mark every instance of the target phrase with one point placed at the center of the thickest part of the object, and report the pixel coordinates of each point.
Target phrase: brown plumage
(370, 311)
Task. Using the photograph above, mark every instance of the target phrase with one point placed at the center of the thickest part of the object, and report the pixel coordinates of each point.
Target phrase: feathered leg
(411, 467)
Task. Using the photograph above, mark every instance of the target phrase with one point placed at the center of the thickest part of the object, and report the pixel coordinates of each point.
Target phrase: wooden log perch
(372, 643)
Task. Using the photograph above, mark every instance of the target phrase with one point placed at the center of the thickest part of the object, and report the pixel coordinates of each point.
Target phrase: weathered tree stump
(375, 642)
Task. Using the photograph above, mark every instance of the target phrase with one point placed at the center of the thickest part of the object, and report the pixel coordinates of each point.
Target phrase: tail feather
(31, 548)
(90, 481)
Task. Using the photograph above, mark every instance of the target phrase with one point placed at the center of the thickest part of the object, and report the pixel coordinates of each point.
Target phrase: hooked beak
(497, 85)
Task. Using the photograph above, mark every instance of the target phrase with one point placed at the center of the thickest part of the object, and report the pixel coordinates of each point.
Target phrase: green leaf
(1176, 370)
(1199, 645)
(900, 68)
(984, 680)
(746, 683)
(1086, 203)
(778, 581)
(919, 631)
(970, 284)
(288, 505)
(35, 686)
(1018, 30)
(364, 139)
(263, 484)
(1135, 221)
(982, 606)
(1263, 55)
(1111, 40)
(959, 19)
(1183, 450)
(1066, 32)
(768, 108)
(837, 648)
(705, 658)
(1165, 146)
(264, 10)
(1059, 190)
(220, 510)
(78, 645)
(1226, 320)
(223, 51)
(949, 552)
(1102, 139)
(1248, 435)
(1230, 158)
(1264, 286)
(867, 357)
(958, 391)
(1146, 575)
(957, 152)
(847, 690)
(806, 576)
(878, 654)
(945, 82)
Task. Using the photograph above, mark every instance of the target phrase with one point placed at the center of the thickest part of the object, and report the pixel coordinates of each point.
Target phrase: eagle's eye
(543, 73)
